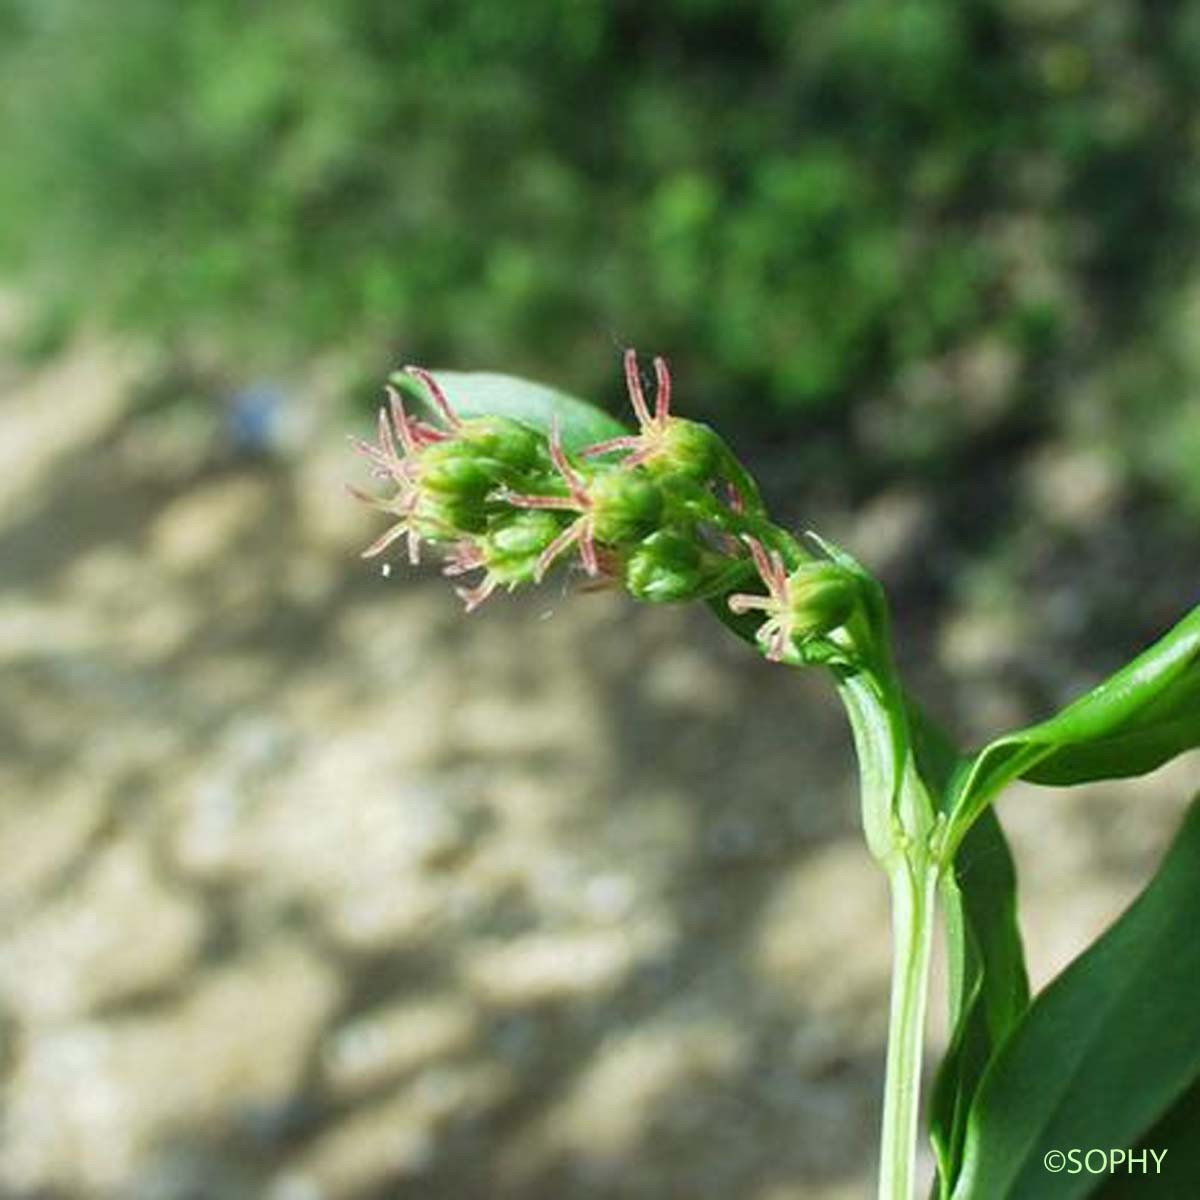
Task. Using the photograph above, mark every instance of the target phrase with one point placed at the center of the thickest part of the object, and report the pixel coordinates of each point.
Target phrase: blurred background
(312, 888)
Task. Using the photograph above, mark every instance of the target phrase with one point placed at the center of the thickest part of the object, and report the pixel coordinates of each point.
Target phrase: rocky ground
(315, 889)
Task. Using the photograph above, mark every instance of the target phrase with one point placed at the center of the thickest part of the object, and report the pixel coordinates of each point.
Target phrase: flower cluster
(665, 512)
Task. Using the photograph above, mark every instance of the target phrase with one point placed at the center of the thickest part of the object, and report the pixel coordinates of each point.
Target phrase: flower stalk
(913, 890)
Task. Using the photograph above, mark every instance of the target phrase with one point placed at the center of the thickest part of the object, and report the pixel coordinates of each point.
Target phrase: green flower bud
(625, 507)
(665, 446)
(445, 518)
(815, 599)
(665, 568)
(512, 546)
(822, 597)
(456, 469)
(514, 446)
(454, 480)
(686, 450)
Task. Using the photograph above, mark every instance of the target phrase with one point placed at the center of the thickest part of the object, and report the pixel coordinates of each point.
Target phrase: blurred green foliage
(918, 222)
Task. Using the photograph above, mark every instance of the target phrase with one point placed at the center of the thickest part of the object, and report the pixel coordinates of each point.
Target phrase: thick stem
(914, 888)
(898, 821)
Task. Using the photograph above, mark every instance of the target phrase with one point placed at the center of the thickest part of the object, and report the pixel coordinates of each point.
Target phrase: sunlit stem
(913, 889)
(899, 823)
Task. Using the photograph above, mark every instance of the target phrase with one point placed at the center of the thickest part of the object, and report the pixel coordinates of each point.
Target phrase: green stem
(914, 888)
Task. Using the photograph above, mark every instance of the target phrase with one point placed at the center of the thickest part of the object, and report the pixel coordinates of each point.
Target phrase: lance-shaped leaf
(1145, 714)
(484, 393)
(1103, 1055)
(1172, 1144)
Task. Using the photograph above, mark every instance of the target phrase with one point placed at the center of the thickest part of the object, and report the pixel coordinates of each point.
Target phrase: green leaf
(1145, 714)
(1175, 1136)
(482, 393)
(1103, 1053)
(989, 989)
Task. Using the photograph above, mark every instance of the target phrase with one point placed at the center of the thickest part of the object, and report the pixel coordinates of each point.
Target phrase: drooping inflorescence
(668, 513)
